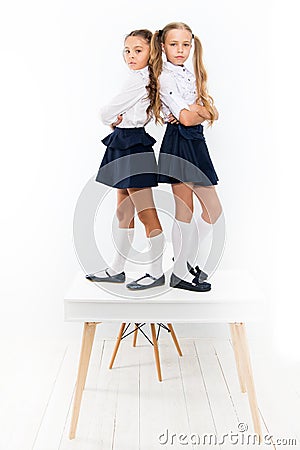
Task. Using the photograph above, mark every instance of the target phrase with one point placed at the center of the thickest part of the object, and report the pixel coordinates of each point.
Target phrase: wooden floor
(126, 408)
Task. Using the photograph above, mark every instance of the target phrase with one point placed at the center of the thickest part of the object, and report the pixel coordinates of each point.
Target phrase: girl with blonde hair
(184, 160)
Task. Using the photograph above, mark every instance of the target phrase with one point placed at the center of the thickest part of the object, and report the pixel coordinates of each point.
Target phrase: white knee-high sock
(216, 247)
(156, 254)
(181, 240)
(203, 252)
(200, 231)
(123, 238)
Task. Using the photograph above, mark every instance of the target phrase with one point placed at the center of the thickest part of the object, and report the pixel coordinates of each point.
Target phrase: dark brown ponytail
(152, 86)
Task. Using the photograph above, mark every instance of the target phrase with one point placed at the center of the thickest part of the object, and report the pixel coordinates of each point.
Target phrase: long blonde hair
(156, 62)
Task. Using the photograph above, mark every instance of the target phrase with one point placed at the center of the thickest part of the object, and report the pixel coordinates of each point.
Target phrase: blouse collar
(174, 68)
(144, 72)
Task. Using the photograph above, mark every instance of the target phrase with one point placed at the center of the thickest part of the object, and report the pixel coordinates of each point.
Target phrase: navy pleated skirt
(184, 157)
(129, 160)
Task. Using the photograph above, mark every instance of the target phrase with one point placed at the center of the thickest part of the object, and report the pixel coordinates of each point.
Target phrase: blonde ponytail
(156, 63)
(201, 81)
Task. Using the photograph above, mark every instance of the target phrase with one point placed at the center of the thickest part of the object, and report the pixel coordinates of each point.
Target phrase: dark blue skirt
(129, 160)
(184, 157)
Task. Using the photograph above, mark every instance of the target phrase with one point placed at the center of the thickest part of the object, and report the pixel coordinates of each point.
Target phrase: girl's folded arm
(132, 92)
(190, 118)
(203, 112)
(187, 115)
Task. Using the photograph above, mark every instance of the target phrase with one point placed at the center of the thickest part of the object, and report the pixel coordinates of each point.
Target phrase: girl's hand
(172, 119)
(117, 122)
(201, 110)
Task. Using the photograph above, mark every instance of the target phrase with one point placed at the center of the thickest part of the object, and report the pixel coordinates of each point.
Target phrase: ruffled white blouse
(177, 89)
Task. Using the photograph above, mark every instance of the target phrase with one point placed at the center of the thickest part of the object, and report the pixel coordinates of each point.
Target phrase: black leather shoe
(178, 283)
(197, 272)
(136, 286)
(118, 278)
(202, 276)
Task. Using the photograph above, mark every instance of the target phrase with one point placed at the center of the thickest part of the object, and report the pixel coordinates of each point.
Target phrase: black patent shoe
(118, 278)
(197, 272)
(178, 283)
(136, 286)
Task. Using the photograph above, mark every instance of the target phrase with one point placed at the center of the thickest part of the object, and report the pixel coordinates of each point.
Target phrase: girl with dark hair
(129, 164)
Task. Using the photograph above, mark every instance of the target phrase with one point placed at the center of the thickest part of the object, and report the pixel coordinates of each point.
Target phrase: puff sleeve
(170, 94)
(133, 90)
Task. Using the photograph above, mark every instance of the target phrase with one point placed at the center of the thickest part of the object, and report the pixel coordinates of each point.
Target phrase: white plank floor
(126, 408)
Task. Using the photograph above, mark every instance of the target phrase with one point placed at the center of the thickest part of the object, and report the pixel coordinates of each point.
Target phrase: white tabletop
(235, 297)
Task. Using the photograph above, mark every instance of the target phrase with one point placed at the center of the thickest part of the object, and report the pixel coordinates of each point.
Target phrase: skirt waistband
(190, 132)
(124, 138)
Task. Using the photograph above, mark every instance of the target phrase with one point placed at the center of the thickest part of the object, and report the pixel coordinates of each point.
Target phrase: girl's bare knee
(147, 215)
(125, 219)
(184, 215)
(150, 220)
(212, 216)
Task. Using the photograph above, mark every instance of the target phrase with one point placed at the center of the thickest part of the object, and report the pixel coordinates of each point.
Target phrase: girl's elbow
(105, 119)
(184, 120)
(101, 116)
(104, 116)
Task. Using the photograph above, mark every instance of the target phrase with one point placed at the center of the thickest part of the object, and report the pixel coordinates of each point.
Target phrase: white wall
(60, 61)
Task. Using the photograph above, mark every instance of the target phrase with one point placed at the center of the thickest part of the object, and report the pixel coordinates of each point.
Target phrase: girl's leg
(123, 237)
(142, 199)
(125, 209)
(181, 277)
(183, 196)
(211, 205)
(145, 207)
(211, 220)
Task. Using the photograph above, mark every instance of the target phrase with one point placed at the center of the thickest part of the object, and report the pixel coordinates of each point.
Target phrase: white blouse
(131, 102)
(177, 89)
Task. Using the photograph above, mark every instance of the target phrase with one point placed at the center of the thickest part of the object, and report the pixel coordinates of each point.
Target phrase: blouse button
(170, 93)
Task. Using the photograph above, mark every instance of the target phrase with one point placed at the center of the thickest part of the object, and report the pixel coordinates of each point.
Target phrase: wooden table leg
(175, 338)
(135, 335)
(237, 354)
(117, 345)
(86, 348)
(156, 352)
(248, 376)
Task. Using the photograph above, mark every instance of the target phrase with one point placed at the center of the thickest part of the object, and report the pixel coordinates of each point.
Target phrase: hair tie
(160, 32)
(193, 36)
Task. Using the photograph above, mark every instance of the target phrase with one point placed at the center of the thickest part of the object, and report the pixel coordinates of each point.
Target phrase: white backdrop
(60, 61)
